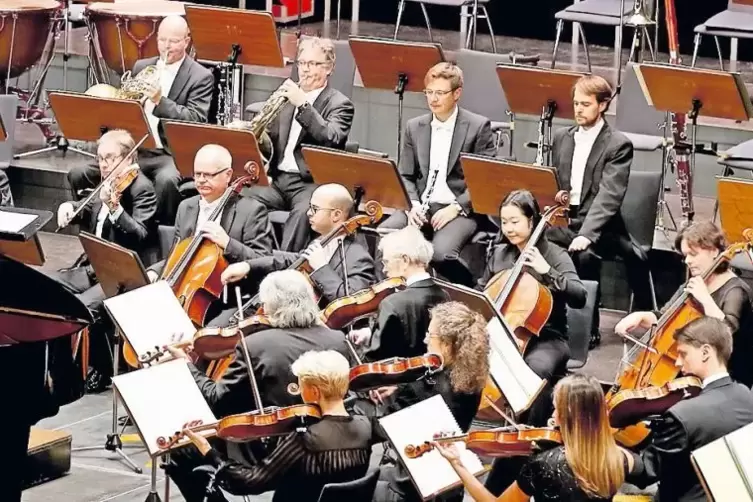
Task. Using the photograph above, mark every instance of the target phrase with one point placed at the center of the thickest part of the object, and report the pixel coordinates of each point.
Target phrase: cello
(655, 352)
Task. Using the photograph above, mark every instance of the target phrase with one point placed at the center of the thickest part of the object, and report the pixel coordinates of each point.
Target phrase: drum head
(30, 5)
(138, 8)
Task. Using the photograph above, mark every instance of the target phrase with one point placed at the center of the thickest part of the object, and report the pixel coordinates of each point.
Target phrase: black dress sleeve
(529, 474)
(734, 303)
(563, 277)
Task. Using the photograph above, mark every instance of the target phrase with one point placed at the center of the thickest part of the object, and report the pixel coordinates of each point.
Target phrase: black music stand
(545, 92)
(393, 65)
(365, 176)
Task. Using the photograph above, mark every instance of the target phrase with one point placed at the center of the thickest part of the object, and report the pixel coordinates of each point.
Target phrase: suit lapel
(458, 138)
(192, 215)
(320, 103)
(423, 144)
(597, 151)
(181, 79)
(565, 166)
(284, 123)
(228, 214)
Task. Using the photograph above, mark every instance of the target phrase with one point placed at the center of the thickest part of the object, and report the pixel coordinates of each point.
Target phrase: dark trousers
(157, 165)
(289, 192)
(448, 242)
(6, 197)
(548, 359)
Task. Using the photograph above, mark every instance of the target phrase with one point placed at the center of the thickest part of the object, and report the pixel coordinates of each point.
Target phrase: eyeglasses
(315, 209)
(109, 158)
(438, 93)
(310, 64)
(209, 176)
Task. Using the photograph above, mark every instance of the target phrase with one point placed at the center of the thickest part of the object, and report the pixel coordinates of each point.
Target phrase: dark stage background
(532, 19)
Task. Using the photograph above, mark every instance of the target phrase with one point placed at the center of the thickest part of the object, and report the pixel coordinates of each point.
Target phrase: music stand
(489, 181)
(735, 210)
(186, 138)
(545, 92)
(393, 65)
(365, 176)
(18, 234)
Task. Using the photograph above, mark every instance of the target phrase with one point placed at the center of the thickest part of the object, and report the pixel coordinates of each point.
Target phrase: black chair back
(358, 489)
(640, 205)
(579, 324)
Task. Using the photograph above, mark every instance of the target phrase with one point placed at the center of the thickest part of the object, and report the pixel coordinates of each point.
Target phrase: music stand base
(60, 144)
(153, 497)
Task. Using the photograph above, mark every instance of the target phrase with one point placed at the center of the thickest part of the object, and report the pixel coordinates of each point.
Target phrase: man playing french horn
(315, 114)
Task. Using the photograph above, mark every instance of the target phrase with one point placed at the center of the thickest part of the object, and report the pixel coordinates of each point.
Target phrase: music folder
(725, 466)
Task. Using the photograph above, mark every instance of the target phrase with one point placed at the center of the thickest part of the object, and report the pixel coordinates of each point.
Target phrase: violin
(630, 406)
(121, 182)
(394, 371)
(373, 214)
(498, 442)
(344, 311)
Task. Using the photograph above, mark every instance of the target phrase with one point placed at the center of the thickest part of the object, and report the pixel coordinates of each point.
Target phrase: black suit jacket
(135, 227)
(272, 353)
(722, 407)
(325, 123)
(605, 180)
(472, 134)
(402, 321)
(244, 219)
(189, 97)
(328, 280)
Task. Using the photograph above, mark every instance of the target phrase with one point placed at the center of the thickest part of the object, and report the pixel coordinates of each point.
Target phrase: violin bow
(247, 356)
(504, 415)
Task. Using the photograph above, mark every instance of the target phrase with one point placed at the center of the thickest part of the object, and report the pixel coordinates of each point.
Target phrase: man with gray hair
(403, 317)
(296, 328)
(316, 114)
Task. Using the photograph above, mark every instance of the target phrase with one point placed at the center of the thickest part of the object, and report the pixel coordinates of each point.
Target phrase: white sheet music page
(431, 473)
(161, 399)
(15, 222)
(516, 380)
(725, 466)
(149, 317)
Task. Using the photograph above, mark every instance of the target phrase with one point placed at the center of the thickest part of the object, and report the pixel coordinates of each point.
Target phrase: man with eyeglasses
(184, 93)
(316, 114)
(242, 230)
(430, 168)
(127, 220)
(342, 266)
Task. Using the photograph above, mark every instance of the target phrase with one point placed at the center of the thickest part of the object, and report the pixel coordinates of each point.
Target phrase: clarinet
(429, 191)
(540, 143)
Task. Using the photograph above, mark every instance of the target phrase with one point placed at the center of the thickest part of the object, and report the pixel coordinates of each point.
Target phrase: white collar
(713, 378)
(421, 276)
(590, 133)
(448, 124)
(171, 67)
(204, 205)
(313, 94)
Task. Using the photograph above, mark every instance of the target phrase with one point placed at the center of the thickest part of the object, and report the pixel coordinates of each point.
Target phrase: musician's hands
(316, 255)
(176, 352)
(198, 440)
(379, 395)
(444, 216)
(359, 336)
(215, 233)
(154, 93)
(532, 257)
(235, 272)
(65, 214)
(635, 320)
(449, 451)
(112, 201)
(580, 243)
(295, 94)
(416, 217)
(698, 289)
(152, 275)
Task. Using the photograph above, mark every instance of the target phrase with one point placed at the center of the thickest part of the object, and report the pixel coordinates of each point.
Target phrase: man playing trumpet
(316, 114)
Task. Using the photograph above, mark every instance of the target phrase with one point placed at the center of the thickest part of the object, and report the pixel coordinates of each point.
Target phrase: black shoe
(96, 383)
(595, 340)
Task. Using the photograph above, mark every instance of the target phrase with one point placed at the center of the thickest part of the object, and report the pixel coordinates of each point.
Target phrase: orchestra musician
(403, 317)
(243, 230)
(334, 450)
(343, 260)
(548, 353)
(184, 93)
(724, 295)
(459, 335)
(127, 219)
(589, 466)
(593, 163)
(316, 114)
(6, 196)
(430, 168)
(723, 406)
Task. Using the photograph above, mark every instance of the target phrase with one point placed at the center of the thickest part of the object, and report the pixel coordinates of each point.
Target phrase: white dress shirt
(205, 210)
(167, 77)
(713, 378)
(584, 142)
(439, 158)
(287, 162)
(421, 276)
(104, 213)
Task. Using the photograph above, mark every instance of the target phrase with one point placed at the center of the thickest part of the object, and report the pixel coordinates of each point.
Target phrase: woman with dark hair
(588, 467)
(723, 295)
(546, 354)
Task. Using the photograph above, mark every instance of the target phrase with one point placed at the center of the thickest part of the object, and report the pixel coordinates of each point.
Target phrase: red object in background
(288, 11)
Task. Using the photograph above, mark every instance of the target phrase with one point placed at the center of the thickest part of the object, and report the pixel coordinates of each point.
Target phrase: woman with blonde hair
(589, 466)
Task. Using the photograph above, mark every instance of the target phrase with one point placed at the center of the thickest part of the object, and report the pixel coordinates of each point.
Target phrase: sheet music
(161, 400)
(431, 473)
(515, 379)
(725, 466)
(15, 222)
(150, 316)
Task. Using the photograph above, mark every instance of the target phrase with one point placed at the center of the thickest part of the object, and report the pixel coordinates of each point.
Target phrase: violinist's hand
(416, 216)
(152, 275)
(359, 336)
(235, 272)
(379, 395)
(215, 233)
(65, 214)
(176, 352)
(580, 243)
(532, 257)
(698, 289)
(449, 451)
(316, 255)
(635, 320)
(198, 440)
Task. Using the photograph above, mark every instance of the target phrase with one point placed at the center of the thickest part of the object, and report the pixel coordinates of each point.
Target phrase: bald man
(329, 206)
(184, 93)
(242, 231)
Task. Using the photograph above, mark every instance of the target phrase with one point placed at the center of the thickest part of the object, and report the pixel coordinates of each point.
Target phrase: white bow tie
(440, 126)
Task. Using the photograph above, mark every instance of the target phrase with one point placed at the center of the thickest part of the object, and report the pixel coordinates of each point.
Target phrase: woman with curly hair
(459, 335)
